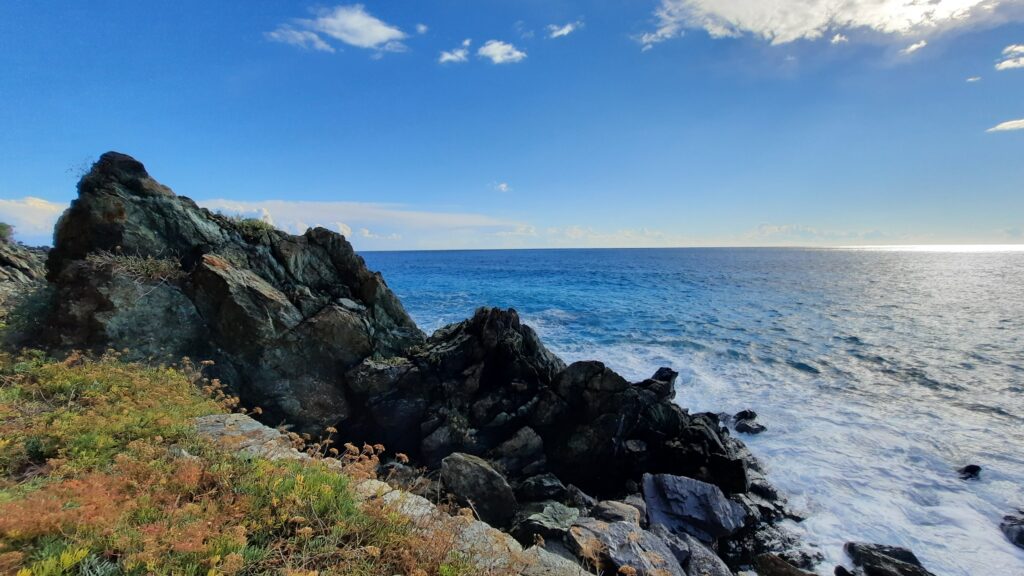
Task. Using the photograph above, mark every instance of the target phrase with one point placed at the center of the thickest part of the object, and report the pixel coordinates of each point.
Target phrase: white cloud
(301, 38)
(782, 21)
(422, 28)
(457, 55)
(502, 187)
(351, 24)
(33, 218)
(1008, 126)
(365, 233)
(1013, 57)
(839, 39)
(500, 52)
(973, 79)
(555, 31)
(914, 47)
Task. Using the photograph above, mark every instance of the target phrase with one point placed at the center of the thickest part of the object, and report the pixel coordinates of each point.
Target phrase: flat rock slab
(685, 505)
(611, 546)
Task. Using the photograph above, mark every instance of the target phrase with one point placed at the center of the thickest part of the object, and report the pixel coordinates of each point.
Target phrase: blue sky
(548, 123)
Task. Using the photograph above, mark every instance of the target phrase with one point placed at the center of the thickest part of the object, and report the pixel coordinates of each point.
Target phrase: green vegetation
(102, 472)
(6, 232)
(251, 228)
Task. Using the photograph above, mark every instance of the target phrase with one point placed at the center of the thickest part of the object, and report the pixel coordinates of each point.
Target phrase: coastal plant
(102, 472)
(251, 228)
(141, 269)
(6, 232)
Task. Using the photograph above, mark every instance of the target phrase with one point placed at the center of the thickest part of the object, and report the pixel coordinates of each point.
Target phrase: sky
(445, 124)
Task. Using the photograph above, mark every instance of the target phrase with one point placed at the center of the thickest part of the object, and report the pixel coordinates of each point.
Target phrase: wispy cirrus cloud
(782, 21)
(349, 24)
(556, 31)
(500, 52)
(1008, 126)
(1013, 57)
(914, 47)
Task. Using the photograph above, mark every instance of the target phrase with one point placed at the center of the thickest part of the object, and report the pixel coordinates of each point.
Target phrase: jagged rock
(520, 455)
(264, 307)
(579, 499)
(880, 560)
(745, 415)
(22, 270)
(696, 558)
(1013, 527)
(549, 520)
(611, 546)
(613, 511)
(476, 484)
(545, 486)
(685, 505)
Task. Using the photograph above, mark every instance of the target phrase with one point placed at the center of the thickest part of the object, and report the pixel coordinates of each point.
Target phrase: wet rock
(772, 565)
(842, 571)
(745, 415)
(550, 520)
(685, 505)
(611, 546)
(970, 472)
(545, 486)
(881, 560)
(613, 511)
(749, 427)
(1013, 527)
(476, 484)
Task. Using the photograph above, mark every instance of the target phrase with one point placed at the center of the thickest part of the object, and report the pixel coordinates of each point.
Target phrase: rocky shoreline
(609, 475)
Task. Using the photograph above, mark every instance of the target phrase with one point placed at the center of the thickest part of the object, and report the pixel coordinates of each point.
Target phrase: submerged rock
(970, 472)
(1013, 527)
(881, 560)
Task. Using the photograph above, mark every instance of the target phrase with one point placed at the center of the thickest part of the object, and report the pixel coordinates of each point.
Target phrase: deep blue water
(877, 372)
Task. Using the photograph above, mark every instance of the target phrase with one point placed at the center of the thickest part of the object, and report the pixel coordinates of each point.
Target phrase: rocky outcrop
(284, 317)
(298, 326)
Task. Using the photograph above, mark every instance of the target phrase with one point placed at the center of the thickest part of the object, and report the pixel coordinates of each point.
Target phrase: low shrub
(101, 472)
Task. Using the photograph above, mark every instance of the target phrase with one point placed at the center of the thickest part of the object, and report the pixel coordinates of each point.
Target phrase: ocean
(878, 372)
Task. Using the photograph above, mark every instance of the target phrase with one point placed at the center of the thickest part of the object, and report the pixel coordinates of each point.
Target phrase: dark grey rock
(749, 427)
(579, 499)
(881, 560)
(745, 415)
(1013, 527)
(551, 520)
(970, 472)
(773, 565)
(685, 505)
(703, 561)
(637, 501)
(545, 486)
(476, 484)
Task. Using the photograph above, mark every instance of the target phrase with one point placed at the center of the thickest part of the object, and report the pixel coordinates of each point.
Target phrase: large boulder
(610, 547)
(478, 485)
(881, 560)
(685, 505)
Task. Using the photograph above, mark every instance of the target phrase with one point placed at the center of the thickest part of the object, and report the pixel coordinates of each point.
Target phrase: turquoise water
(877, 373)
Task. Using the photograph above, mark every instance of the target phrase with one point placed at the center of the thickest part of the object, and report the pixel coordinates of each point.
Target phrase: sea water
(878, 373)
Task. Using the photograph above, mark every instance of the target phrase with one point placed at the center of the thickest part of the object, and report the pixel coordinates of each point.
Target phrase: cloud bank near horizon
(374, 226)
